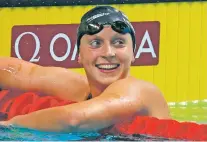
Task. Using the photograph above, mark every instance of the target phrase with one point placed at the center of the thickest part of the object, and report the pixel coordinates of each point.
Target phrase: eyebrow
(94, 37)
(115, 36)
(118, 36)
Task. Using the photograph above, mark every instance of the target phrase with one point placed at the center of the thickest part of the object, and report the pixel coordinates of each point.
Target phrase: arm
(16, 73)
(119, 102)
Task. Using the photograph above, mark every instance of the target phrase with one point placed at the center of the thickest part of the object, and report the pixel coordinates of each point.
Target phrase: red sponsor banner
(55, 45)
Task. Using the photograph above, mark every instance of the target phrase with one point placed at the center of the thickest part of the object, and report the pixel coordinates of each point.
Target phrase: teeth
(107, 67)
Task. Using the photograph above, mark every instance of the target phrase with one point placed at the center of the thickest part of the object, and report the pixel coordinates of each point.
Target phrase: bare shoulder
(150, 95)
(124, 86)
(65, 80)
(154, 100)
(57, 81)
(132, 87)
(135, 84)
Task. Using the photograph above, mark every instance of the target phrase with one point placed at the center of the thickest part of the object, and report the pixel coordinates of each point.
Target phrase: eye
(95, 43)
(119, 42)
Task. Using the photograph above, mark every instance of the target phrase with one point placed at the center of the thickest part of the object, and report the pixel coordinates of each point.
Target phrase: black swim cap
(92, 22)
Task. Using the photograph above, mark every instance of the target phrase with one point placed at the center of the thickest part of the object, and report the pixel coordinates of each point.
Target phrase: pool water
(21, 134)
(194, 111)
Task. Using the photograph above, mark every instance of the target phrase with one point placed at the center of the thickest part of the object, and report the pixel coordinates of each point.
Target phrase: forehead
(107, 33)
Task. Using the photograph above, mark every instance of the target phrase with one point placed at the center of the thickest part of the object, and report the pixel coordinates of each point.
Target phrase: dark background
(32, 3)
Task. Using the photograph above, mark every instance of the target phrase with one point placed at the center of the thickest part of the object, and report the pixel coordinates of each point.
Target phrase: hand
(4, 123)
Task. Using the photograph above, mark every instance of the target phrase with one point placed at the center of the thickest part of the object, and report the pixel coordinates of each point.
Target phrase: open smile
(107, 66)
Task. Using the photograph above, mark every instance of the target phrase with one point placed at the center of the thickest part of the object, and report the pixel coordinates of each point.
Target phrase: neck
(96, 89)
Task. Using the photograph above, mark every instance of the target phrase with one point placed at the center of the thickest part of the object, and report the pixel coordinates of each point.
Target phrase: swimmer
(106, 96)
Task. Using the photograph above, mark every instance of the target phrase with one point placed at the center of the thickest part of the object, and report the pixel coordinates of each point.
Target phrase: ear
(133, 59)
(79, 59)
(133, 54)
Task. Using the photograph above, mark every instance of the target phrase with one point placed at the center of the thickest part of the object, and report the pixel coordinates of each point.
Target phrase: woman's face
(106, 56)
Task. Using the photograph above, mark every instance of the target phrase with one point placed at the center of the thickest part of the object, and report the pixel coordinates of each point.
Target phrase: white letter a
(146, 50)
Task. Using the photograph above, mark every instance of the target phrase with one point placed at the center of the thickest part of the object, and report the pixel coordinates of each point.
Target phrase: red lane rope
(30, 102)
(164, 128)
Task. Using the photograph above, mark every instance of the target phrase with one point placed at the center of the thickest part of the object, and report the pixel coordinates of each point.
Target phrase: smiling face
(106, 56)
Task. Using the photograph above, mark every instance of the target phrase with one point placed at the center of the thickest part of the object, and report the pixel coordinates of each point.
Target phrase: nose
(108, 51)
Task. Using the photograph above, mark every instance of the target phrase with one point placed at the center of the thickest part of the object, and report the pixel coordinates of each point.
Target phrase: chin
(107, 80)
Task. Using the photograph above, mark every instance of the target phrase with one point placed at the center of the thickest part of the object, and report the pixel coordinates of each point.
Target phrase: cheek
(124, 57)
(88, 57)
